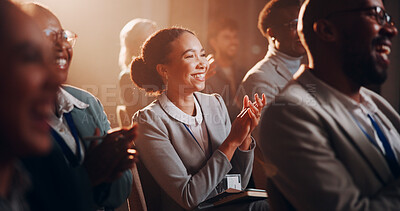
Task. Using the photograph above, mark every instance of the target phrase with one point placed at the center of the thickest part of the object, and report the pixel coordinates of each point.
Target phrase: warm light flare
(131, 151)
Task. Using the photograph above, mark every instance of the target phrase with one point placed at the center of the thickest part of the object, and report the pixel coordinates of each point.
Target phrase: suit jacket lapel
(84, 123)
(283, 71)
(214, 128)
(185, 133)
(346, 123)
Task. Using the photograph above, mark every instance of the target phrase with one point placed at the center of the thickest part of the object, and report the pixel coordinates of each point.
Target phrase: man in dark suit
(332, 144)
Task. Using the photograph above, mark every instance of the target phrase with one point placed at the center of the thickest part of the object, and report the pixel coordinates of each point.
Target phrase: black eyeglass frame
(290, 24)
(381, 16)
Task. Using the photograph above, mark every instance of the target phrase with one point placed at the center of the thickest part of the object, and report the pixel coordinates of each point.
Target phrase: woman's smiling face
(187, 65)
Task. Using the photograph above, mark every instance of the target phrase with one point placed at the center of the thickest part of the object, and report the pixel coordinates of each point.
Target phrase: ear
(162, 70)
(270, 32)
(325, 30)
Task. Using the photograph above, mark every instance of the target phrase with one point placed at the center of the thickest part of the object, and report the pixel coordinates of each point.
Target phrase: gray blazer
(328, 163)
(183, 174)
(268, 76)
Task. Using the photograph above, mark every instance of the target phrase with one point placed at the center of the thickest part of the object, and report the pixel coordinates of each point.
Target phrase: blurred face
(187, 65)
(366, 44)
(54, 32)
(285, 34)
(28, 87)
(226, 43)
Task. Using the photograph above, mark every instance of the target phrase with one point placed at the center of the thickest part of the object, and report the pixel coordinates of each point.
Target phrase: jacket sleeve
(112, 195)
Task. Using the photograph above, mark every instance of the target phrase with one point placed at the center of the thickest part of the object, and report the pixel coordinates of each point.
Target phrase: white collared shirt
(66, 103)
(195, 124)
(360, 112)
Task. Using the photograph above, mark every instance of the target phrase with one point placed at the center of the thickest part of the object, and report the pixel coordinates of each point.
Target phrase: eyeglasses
(292, 24)
(381, 16)
(65, 35)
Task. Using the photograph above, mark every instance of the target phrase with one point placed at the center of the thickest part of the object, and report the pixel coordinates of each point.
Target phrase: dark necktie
(74, 159)
(389, 155)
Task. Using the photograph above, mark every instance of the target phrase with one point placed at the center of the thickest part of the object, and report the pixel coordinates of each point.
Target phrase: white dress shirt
(360, 112)
(195, 124)
(66, 103)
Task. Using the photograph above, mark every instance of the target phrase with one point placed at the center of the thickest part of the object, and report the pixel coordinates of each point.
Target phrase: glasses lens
(50, 34)
(62, 35)
(380, 15)
(70, 37)
(383, 17)
(388, 19)
(293, 25)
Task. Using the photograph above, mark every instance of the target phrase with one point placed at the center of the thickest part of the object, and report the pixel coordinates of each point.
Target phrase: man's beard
(361, 66)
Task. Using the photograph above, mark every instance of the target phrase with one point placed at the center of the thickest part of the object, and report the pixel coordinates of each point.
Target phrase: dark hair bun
(141, 75)
(154, 51)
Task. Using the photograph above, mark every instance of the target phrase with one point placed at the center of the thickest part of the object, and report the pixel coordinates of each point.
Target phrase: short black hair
(270, 15)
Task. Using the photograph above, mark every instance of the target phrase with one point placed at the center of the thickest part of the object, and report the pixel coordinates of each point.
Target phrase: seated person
(185, 137)
(78, 114)
(28, 86)
(132, 36)
(223, 37)
(332, 144)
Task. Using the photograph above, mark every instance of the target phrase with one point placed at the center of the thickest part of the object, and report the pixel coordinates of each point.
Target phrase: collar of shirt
(66, 102)
(359, 112)
(291, 63)
(176, 113)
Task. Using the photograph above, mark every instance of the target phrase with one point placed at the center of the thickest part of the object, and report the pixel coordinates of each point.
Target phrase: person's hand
(241, 126)
(240, 130)
(106, 161)
(211, 69)
(251, 113)
(254, 113)
(255, 110)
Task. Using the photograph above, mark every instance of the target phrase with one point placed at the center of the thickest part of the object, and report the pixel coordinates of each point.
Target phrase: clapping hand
(253, 109)
(243, 125)
(248, 119)
(106, 161)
